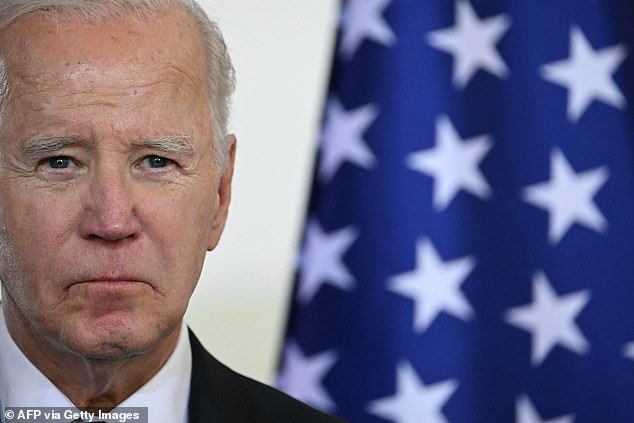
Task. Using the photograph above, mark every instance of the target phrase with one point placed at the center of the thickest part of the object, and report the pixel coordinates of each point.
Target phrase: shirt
(166, 394)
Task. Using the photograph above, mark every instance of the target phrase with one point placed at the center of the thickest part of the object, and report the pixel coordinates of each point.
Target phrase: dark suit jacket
(220, 395)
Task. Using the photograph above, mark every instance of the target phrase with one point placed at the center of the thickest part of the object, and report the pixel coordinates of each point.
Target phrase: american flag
(468, 254)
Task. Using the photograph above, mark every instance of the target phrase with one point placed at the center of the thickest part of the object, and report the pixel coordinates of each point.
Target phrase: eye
(59, 168)
(156, 162)
(61, 162)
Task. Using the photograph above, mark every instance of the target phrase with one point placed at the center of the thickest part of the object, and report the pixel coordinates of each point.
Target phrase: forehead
(60, 63)
(59, 40)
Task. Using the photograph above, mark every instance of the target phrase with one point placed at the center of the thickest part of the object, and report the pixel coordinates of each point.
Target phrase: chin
(113, 337)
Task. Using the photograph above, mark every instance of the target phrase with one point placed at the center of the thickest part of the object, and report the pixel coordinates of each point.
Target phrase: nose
(109, 207)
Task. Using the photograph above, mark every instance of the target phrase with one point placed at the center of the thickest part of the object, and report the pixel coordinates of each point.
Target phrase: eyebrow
(42, 146)
(175, 144)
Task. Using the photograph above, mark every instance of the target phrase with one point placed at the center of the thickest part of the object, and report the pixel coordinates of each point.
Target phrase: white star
(551, 319)
(526, 413)
(568, 197)
(453, 164)
(342, 138)
(321, 261)
(587, 74)
(364, 19)
(434, 286)
(414, 402)
(302, 377)
(472, 43)
(628, 350)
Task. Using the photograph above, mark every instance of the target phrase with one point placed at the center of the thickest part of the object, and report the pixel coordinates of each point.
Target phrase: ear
(224, 196)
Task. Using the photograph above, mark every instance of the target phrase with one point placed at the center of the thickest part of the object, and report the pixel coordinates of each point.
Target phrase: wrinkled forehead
(117, 73)
(45, 46)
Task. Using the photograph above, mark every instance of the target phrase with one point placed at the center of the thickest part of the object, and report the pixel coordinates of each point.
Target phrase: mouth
(108, 296)
(112, 283)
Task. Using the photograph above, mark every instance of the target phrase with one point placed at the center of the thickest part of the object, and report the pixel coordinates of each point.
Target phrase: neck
(88, 382)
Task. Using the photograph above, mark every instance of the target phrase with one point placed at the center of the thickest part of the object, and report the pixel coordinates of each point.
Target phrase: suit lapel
(217, 394)
(201, 405)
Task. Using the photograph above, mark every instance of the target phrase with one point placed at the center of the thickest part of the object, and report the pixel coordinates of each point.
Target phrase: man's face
(108, 186)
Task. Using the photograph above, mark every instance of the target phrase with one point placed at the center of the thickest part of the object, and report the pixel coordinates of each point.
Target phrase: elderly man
(115, 179)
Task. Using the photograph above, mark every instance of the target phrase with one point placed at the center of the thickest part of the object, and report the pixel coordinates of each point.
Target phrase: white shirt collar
(166, 395)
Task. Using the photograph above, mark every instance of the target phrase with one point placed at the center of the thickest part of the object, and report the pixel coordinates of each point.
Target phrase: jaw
(104, 374)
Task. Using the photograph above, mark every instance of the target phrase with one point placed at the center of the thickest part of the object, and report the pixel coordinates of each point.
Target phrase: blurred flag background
(469, 243)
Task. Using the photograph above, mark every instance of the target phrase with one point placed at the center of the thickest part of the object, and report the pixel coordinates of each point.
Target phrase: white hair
(221, 77)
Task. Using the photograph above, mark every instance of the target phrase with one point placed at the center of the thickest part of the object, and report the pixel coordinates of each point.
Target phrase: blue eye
(61, 162)
(157, 161)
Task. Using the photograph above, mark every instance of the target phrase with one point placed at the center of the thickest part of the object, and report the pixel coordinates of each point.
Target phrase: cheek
(34, 232)
(37, 226)
(179, 228)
